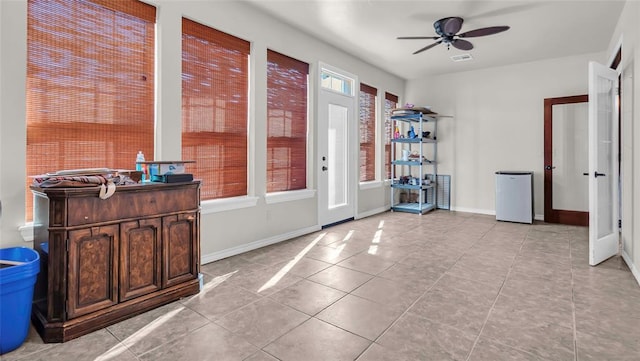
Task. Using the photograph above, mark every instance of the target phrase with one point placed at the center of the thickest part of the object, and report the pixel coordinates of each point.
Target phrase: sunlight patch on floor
(284, 270)
(373, 249)
(115, 351)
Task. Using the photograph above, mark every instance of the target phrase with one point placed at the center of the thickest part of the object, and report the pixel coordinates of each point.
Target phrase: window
(215, 85)
(390, 103)
(367, 133)
(287, 81)
(90, 85)
(336, 82)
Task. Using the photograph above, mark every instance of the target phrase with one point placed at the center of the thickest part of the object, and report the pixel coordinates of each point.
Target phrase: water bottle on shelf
(141, 167)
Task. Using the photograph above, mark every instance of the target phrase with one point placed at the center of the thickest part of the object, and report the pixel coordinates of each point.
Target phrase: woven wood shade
(90, 85)
(287, 81)
(215, 70)
(367, 132)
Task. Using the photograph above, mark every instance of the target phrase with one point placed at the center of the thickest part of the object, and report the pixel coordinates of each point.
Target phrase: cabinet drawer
(130, 204)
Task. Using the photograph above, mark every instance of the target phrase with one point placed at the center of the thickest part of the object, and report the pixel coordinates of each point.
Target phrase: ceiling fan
(447, 29)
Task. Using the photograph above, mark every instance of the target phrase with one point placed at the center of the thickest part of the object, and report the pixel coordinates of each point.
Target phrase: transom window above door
(336, 82)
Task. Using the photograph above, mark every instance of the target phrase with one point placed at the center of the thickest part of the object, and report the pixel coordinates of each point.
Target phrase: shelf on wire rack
(413, 207)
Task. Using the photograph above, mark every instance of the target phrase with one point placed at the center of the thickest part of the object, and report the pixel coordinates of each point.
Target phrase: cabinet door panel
(179, 239)
(140, 250)
(93, 271)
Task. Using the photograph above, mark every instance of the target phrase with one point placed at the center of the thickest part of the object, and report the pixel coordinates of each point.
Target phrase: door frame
(551, 215)
(324, 217)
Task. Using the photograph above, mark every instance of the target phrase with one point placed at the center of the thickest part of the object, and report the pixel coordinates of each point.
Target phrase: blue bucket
(16, 294)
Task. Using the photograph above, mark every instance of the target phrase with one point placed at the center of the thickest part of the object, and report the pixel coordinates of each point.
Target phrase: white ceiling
(368, 30)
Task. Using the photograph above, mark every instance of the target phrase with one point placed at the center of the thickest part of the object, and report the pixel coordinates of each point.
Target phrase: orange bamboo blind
(287, 81)
(90, 85)
(215, 86)
(367, 132)
(390, 102)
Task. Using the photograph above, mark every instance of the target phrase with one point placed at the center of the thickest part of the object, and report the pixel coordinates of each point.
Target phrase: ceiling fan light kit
(447, 30)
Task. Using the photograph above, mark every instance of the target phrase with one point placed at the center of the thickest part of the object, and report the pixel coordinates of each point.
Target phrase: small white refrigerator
(514, 196)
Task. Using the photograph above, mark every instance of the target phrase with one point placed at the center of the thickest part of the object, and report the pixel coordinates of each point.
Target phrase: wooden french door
(566, 186)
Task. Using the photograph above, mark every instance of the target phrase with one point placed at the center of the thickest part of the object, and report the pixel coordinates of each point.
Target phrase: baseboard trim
(233, 251)
(372, 212)
(489, 212)
(632, 267)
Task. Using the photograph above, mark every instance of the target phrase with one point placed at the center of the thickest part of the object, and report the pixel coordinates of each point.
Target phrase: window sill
(288, 196)
(26, 232)
(370, 185)
(227, 204)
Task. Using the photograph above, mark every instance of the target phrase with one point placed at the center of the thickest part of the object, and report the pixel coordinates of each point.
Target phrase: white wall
(497, 124)
(223, 232)
(13, 70)
(628, 30)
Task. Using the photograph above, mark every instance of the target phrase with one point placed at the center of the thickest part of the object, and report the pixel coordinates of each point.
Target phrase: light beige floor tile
(316, 340)
(360, 316)
(308, 297)
(156, 327)
(396, 294)
(209, 343)
(546, 340)
(215, 302)
(341, 278)
(261, 356)
(98, 345)
(367, 263)
(486, 350)
(462, 309)
(267, 280)
(375, 352)
(333, 255)
(422, 276)
(537, 274)
(424, 340)
(262, 322)
(596, 347)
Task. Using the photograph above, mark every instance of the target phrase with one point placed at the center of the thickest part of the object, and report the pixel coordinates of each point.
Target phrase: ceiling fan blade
(484, 31)
(462, 44)
(419, 37)
(427, 47)
(448, 26)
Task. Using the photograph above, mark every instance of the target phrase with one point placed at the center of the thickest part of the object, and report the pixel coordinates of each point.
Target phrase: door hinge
(620, 223)
(66, 241)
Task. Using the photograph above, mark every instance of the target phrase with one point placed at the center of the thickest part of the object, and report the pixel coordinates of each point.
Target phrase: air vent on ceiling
(461, 57)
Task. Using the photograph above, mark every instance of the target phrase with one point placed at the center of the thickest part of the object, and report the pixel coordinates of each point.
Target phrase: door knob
(596, 174)
(548, 167)
(324, 168)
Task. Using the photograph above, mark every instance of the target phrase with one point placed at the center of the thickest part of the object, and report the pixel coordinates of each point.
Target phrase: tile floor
(395, 286)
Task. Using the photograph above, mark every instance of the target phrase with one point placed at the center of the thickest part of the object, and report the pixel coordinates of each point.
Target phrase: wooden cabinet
(103, 261)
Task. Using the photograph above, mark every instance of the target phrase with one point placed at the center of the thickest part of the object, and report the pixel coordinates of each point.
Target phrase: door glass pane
(570, 128)
(337, 156)
(606, 156)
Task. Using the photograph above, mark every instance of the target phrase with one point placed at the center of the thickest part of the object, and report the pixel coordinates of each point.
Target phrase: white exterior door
(603, 163)
(337, 137)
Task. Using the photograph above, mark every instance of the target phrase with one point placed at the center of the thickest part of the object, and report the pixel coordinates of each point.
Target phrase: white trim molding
(227, 204)
(632, 267)
(289, 196)
(211, 257)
